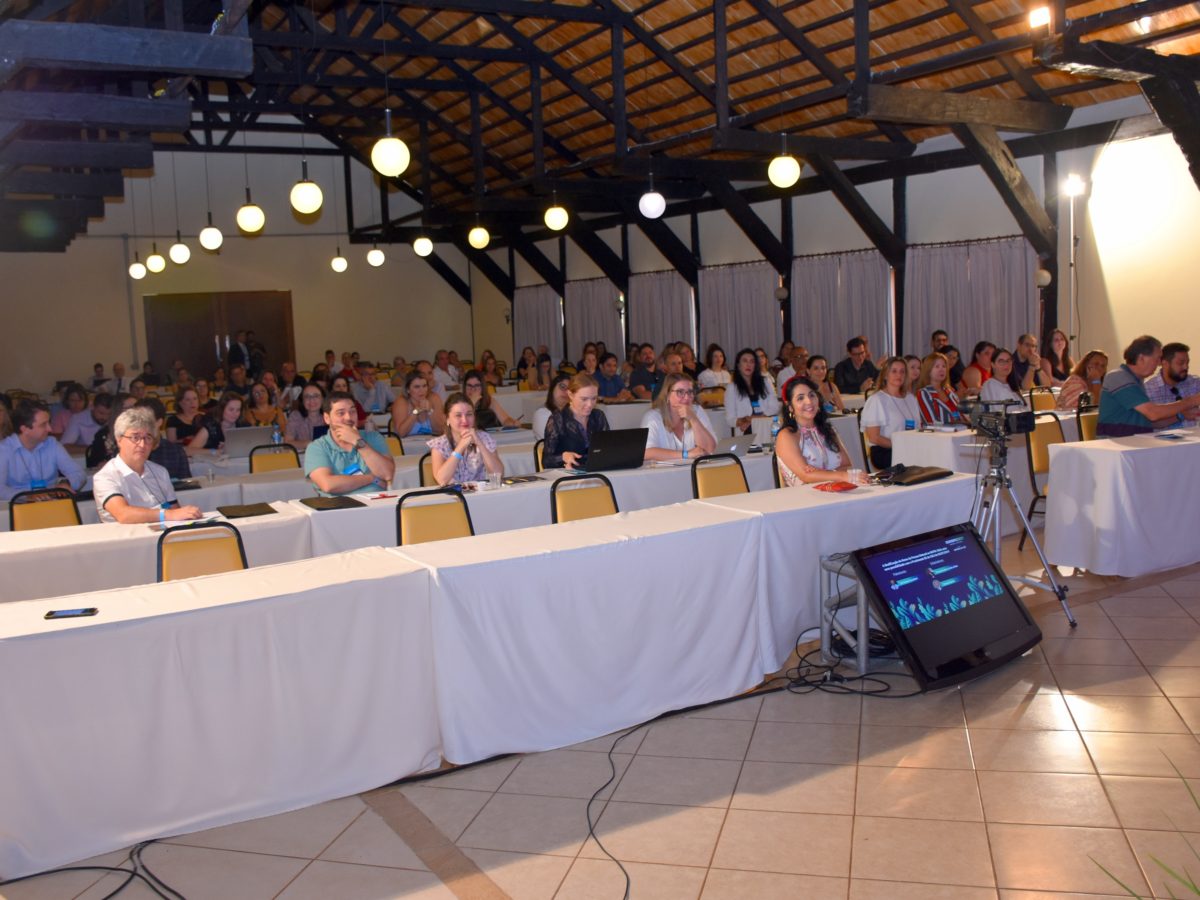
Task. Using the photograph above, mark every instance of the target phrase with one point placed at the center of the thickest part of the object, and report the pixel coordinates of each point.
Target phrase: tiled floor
(1019, 786)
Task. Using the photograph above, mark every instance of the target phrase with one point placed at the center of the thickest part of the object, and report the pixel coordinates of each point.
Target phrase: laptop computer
(240, 441)
(738, 444)
(623, 448)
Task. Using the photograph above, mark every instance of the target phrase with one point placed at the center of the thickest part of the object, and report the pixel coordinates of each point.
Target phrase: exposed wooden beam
(75, 45)
(675, 251)
(880, 102)
(486, 266)
(854, 203)
(984, 33)
(1117, 62)
(601, 254)
(371, 45)
(1177, 104)
(752, 226)
(448, 275)
(66, 184)
(549, 272)
(96, 110)
(1001, 168)
(82, 154)
(803, 145)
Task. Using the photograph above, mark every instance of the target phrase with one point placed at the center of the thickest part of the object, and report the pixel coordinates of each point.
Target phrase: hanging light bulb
(784, 170)
(137, 271)
(338, 263)
(250, 217)
(652, 204)
(556, 216)
(179, 252)
(375, 256)
(306, 195)
(155, 261)
(478, 237)
(210, 236)
(422, 246)
(390, 156)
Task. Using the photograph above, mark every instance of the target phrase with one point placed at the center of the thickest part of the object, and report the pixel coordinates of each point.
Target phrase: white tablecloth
(556, 635)
(1124, 506)
(194, 704)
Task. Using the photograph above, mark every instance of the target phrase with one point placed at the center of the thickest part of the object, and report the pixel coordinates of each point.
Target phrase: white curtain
(738, 308)
(591, 311)
(838, 296)
(974, 291)
(659, 310)
(537, 320)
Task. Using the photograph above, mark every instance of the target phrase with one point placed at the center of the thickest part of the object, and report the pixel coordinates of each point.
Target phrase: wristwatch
(360, 443)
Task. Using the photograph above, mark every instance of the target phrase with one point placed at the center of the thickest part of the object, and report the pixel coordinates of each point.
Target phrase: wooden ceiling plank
(1117, 62)
(983, 31)
(803, 145)
(879, 102)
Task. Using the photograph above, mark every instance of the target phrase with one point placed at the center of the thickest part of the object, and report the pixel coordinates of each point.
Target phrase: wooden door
(266, 313)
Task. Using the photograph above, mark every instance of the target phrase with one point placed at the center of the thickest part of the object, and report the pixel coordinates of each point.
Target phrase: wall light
(1074, 185)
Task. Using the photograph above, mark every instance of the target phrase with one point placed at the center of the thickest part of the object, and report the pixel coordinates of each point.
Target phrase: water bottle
(276, 435)
(774, 429)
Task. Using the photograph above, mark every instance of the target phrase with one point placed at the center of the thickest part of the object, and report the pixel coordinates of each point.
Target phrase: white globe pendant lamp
(339, 263)
(390, 156)
(652, 204)
(137, 271)
(250, 217)
(478, 237)
(422, 246)
(179, 252)
(375, 256)
(155, 261)
(306, 196)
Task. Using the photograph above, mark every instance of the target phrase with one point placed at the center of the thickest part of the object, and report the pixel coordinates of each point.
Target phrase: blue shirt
(1120, 396)
(24, 470)
(325, 454)
(610, 387)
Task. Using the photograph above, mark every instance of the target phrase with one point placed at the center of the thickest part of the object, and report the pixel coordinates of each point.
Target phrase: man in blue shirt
(31, 458)
(1125, 408)
(345, 461)
(374, 396)
(612, 386)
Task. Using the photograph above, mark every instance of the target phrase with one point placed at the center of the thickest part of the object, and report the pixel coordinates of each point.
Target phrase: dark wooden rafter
(674, 251)
(1116, 62)
(65, 184)
(984, 34)
(78, 154)
(95, 110)
(744, 216)
(448, 275)
(919, 107)
(487, 266)
(804, 145)
(1177, 104)
(892, 247)
(550, 273)
(611, 264)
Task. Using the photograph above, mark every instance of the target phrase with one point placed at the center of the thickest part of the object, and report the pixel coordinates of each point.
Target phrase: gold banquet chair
(538, 447)
(1041, 399)
(43, 508)
(419, 523)
(1047, 431)
(200, 548)
(273, 458)
(395, 445)
(425, 467)
(582, 497)
(718, 475)
(1086, 421)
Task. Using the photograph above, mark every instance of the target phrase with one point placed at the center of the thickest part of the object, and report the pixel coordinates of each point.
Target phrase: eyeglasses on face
(138, 438)
(685, 392)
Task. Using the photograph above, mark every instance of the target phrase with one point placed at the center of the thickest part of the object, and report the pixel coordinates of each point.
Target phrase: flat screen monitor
(947, 605)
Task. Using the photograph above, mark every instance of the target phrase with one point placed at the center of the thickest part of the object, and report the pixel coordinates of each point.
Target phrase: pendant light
(306, 196)
(210, 236)
(652, 204)
(375, 256)
(556, 216)
(250, 217)
(137, 271)
(154, 262)
(422, 246)
(784, 170)
(478, 237)
(338, 263)
(389, 156)
(179, 252)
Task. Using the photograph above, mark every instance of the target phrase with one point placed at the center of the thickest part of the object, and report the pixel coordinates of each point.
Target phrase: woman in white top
(678, 426)
(889, 410)
(556, 398)
(715, 374)
(807, 448)
(1003, 386)
(749, 394)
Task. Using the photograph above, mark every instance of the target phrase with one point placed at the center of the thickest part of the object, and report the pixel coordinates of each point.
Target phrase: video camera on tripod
(992, 418)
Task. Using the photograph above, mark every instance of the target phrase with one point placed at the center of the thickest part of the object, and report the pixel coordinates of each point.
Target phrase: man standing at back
(30, 458)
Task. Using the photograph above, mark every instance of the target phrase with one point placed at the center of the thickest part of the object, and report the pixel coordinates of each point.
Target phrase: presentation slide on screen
(926, 581)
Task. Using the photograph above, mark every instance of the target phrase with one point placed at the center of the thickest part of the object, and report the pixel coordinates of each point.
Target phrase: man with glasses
(131, 489)
(672, 365)
(1173, 382)
(856, 373)
(1026, 360)
(372, 395)
(1125, 407)
(31, 458)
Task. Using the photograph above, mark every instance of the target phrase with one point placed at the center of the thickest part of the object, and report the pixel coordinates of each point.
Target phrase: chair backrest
(538, 446)
(425, 467)
(395, 445)
(713, 396)
(417, 523)
(862, 441)
(523, 385)
(42, 508)
(1087, 420)
(582, 497)
(775, 477)
(1047, 430)
(1041, 399)
(273, 458)
(718, 475)
(199, 548)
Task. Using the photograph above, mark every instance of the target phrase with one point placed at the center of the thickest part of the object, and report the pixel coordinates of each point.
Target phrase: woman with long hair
(1057, 363)
(1003, 386)
(226, 417)
(935, 396)
(807, 449)
(715, 374)
(888, 410)
(979, 369)
(1085, 380)
(818, 374)
(750, 393)
(527, 361)
(487, 366)
(539, 377)
(677, 425)
(557, 397)
(570, 430)
(260, 411)
(464, 453)
(488, 411)
(419, 410)
(74, 400)
(306, 415)
(188, 417)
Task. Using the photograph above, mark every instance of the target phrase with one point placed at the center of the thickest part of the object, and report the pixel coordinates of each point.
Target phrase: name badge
(38, 483)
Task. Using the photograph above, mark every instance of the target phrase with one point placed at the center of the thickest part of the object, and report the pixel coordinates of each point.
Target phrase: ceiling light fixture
(478, 237)
(137, 271)
(155, 262)
(179, 252)
(1039, 17)
(652, 204)
(1074, 186)
(250, 217)
(784, 170)
(338, 263)
(422, 246)
(210, 236)
(306, 196)
(375, 256)
(556, 217)
(389, 156)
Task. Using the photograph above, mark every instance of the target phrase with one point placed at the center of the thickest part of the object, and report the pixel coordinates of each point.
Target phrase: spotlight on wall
(1074, 185)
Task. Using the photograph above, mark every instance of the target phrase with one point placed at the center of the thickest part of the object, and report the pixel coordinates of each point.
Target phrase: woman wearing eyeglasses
(307, 416)
(679, 428)
(488, 411)
(131, 489)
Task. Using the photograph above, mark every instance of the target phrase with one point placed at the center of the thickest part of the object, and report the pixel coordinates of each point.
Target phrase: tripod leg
(1058, 590)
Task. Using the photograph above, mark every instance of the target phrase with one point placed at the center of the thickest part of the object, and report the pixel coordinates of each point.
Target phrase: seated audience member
(219, 384)
(98, 379)
(137, 388)
(31, 457)
(856, 373)
(888, 410)
(464, 453)
(784, 358)
(807, 449)
(569, 431)
(82, 428)
(320, 374)
(206, 402)
(331, 365)
(935, 397)
(612, 386)
(347, 370)
(372, 395)
(539, 377)
(272, 386)
(446, 377)
(1027, 364)
(168, 454)
(6, 426)
(1172, 381)
(528, 359)
(150, 377)
(1003, 386)
(678, 425)
(645, 379)
(1125, 407)
(341, 385)
(420, 410)
(400, 364)
(939, 341)
(672, 364)
(306, 417)
(132, 488)
(956, 366)
(979, 370)
(259, 412)
(590, 363)
(118, 384)
(749, 394)
(914, 371)
(491, 371)
(238, 382)
(74, 401)
(183, 378)
(226, 417)
(764, 362)
(818, 374)
(589, 347)
(488, 411)
(1057, 363)
(796, 365)
(104, 445)
(557, 397)
(715, 374)
(345, 460)
(1082, 387)
(691, 366)
(188, 418)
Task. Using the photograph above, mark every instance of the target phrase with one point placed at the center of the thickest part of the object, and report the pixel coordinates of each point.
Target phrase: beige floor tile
(1148, 590)
(1189, 709)
(1092, 621)
(564, 773)
(746, 709)
(1186, 588)
(1120, 753)
(596, 879)
(796, 787)
(1133, 681)
(323, 880)
(629, 742)
(1167, 653)
(793, 843)
(451, 811)
(1177, 681)
(653, 833)
(1045, 798)
(1161, 804)
(1175, 850)
(56, 885)
(483, 777)
(1088, 652)
(1158, 628)
(922, 850)
(813, 743)
(679, 781)
(1145, 715)
(1029, 751)
(1057, 895)
(943, 709)
(819, 706)
(944, 794)
(1018, 677)
(1142, 607)
(370, 841)
(1032, 712)
(731, 884)
(922, 748)
(699, 738)
(1060, 858)
(526, 876)
(303, 832)
(862, 889)
(521, 824)
(1191, 605)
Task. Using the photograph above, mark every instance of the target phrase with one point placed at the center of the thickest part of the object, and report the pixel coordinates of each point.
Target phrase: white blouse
(889, 414)
(996, 391)
(711, 378)
(816, 452)
(663, 438)
(737, 406)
